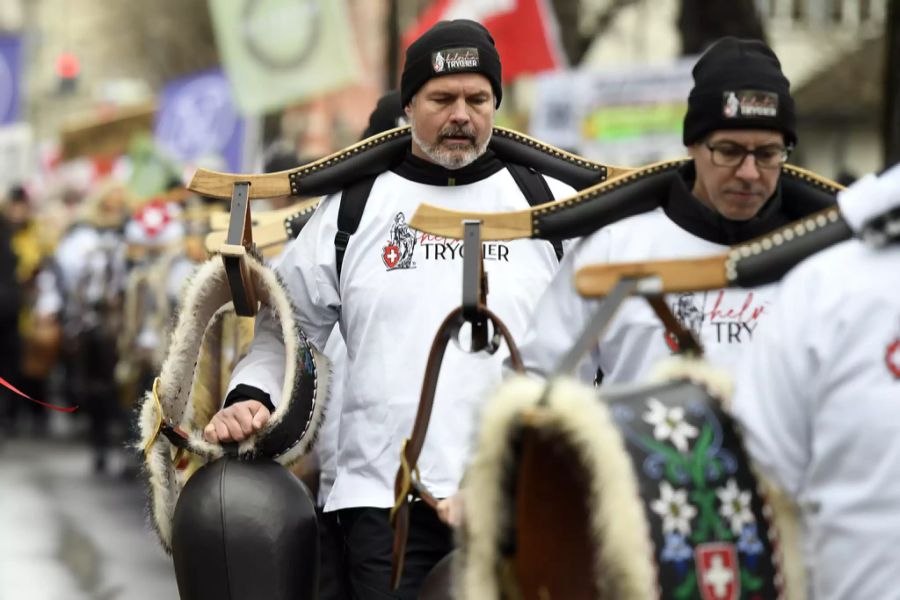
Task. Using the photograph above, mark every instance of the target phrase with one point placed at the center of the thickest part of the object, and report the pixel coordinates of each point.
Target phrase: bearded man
(389, 288)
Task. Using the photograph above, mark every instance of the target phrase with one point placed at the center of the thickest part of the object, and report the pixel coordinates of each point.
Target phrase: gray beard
(449, 159)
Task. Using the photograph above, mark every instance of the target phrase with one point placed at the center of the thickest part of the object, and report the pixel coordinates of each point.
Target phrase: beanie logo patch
(455, 59)
(749, 104)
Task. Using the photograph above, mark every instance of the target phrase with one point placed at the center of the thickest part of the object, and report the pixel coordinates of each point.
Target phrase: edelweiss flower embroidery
(674, 509)
(735, 506)
(669, 424)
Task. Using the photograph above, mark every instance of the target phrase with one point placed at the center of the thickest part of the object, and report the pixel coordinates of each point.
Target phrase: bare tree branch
(576, 40)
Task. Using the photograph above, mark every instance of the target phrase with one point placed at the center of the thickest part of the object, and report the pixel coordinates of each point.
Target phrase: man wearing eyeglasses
(739, 130)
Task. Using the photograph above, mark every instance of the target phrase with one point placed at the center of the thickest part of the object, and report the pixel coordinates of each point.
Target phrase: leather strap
(408, 485)
(684, 337)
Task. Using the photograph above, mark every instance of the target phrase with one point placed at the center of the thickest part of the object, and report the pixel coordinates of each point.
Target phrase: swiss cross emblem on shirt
(717, 571)
(398, 252)
(391, 255)
(892, 357)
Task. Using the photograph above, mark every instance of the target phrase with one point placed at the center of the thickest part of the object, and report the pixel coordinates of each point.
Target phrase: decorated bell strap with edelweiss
(381, 152)
(175, 411)
(710, 524)
(551, 500)
(673, 507)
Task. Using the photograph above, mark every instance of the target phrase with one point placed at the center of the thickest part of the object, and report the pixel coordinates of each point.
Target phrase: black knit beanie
(738, 84)
(448, 48)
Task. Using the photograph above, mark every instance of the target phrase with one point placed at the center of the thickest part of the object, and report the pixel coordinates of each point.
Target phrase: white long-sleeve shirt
(818, 396)
(724, 320)
(396, 287)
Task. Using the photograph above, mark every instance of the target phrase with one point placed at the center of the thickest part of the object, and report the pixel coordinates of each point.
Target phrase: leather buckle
(159, 417)
(405, 486)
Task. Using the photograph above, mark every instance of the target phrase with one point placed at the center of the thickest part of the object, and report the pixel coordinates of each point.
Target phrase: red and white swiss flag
(524, 31)
(718, 572)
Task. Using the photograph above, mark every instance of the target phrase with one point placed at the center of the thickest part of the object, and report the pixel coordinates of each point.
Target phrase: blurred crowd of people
(89, 282)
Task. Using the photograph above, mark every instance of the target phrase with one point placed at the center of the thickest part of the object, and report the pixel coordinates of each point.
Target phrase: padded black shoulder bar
(638, 192)
(767, 259)
(819, 224)
(382, 152)
(294, 223)
(370, 157)
(645, 189)
(515, 148)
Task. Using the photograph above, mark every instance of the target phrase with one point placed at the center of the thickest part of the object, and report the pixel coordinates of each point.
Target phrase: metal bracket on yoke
(234, 251)
(597, 325)
(649, 289)
(475, 285)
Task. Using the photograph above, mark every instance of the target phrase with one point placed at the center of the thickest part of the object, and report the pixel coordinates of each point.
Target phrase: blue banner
(10, 78)
(198, 123)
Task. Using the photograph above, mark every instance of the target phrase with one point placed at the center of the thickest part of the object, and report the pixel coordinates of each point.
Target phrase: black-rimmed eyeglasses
(729, 154)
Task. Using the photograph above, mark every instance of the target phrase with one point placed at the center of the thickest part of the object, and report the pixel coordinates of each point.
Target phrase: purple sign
(197, 122)
(10, 76)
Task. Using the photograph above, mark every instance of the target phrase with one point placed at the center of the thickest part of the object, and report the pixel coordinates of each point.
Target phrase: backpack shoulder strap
(353, 203)
(536, 191)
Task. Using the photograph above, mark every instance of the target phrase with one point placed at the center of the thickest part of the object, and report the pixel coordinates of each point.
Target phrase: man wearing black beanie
(741, 103)
(389, 287)
(450, 87)
(739, 130)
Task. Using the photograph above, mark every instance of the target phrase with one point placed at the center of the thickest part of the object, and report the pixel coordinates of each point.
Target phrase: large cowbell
(245, 529)
(239, 524)
(632, 492)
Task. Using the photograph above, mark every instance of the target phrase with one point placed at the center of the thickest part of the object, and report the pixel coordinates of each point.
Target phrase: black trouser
(333, 582)
(368, 540)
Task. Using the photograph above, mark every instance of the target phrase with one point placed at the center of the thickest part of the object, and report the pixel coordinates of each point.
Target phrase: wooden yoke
(234, 251)
(624, 193)
(271, 229)
(756, 262)
(597, 281)
(510, 225)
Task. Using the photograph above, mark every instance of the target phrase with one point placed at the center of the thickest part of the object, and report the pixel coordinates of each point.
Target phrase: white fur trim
(716, 381)
(788, 542)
